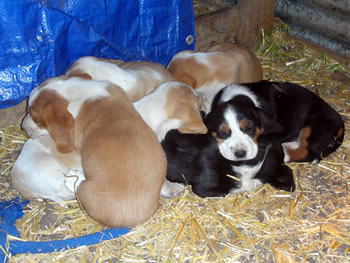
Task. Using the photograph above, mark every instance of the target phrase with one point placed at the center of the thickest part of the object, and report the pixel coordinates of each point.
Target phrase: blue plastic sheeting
(11, 210)
(41, 39)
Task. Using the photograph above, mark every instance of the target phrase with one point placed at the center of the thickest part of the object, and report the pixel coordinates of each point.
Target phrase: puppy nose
(240, 153)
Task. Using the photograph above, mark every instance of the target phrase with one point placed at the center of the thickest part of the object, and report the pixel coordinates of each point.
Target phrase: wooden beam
(254, 15)
(215, 27)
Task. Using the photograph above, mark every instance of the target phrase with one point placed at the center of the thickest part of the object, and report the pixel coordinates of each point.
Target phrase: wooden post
(253, 15)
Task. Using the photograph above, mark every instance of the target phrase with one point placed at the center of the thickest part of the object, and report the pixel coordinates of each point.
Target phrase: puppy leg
(297, 150)
(171, 190)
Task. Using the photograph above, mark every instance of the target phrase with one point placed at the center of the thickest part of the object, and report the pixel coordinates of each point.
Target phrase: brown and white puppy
(172, 105)
(137, 78)
(123, 162)
(221, 65)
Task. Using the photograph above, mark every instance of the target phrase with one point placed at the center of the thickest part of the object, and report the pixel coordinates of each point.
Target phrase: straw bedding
(311, 224)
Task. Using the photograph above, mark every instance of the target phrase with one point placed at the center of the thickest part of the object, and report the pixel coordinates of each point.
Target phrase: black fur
(294, 108)
(195, 159)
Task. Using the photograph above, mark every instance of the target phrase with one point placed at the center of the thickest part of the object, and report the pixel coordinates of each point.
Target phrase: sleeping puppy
(308, 128)
(54, 175)
(40, 170)
(172, 105)
(221, 65)
(123, 162)
(136, 78)
(195, 159)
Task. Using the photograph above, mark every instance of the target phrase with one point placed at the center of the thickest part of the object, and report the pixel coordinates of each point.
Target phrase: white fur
(234, 90)
(104, 70)
(31, 128)
(38, 173)
(208, 92)
(248, 183)
(238, 139)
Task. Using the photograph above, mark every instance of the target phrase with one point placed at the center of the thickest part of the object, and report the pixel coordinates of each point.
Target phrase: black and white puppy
(195, 159)
(308, 128)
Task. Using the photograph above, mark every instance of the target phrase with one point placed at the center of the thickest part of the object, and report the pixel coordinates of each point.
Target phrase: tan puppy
(136, 78)
(123, 162)
(208, 72)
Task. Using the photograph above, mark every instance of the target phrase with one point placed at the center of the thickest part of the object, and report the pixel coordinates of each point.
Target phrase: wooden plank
(254, 15)
(215, 27)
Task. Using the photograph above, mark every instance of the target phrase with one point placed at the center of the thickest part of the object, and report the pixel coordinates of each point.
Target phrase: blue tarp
(11, 210)
(41, 39)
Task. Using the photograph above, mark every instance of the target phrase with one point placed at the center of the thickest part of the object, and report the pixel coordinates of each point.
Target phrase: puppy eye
(223, 131)
(247, 126)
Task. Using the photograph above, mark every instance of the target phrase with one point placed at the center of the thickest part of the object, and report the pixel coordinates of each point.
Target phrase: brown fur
(243, 123)
(123, 162)
(186, 110)
(301, 152)
(231, 63)
(49, 110)
(258, 132)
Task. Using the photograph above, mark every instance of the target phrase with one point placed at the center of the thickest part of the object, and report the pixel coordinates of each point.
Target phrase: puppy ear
(216, 100)
(269, 125)
(193, 122)
(59, 122)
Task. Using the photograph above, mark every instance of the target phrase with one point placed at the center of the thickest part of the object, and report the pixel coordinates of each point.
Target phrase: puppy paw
(171, 190)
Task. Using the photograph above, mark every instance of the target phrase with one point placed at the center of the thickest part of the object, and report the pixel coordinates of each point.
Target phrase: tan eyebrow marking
(243, 123)
(224, 128)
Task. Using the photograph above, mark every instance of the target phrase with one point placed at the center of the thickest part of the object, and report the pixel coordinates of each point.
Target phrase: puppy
(40, 170)
(123, 162)
(173, 105)
(208, 72)
(308, 128)
(195, 159)
(136, 78)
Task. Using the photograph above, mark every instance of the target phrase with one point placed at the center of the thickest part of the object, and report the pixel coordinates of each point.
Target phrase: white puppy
(40, 171)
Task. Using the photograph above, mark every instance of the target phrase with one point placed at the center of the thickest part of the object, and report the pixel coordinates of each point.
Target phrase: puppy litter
(311, 224)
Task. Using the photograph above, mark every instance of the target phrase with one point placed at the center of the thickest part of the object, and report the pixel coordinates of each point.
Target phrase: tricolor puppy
(123, 162)
(308, 128)
(41, 171)
(136, 78)
(195, 159)
(172, 105)
(221, 65)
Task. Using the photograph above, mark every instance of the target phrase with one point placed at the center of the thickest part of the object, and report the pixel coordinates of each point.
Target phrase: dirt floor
(311, 224)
